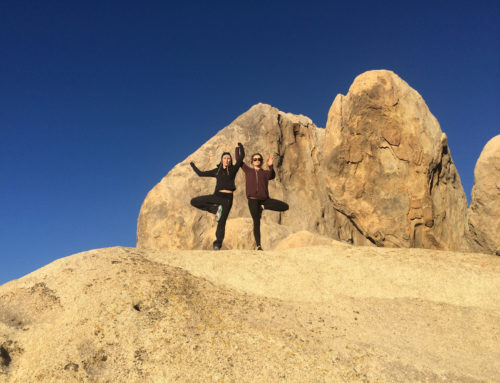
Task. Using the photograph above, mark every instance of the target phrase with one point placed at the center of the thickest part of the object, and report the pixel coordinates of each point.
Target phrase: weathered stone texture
(388, 168)
(168, 221)
(380, 173)
(484, 211)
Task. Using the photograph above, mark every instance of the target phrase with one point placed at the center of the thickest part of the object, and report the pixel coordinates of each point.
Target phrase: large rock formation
(326, 314)
(168, 221)
(389, 169)
(484, 211)
(381, 173)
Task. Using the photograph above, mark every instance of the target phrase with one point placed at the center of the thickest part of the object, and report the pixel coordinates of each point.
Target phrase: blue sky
(100, 99)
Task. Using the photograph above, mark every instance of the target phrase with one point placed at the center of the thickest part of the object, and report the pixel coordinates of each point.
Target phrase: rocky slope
(307, 314)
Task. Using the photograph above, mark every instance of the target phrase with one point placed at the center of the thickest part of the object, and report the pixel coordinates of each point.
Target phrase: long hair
(219, 166)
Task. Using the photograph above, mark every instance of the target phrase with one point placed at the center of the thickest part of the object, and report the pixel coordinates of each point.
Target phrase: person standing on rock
(257, 192)
(221, 201)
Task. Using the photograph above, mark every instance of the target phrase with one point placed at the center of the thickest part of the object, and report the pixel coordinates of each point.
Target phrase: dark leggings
(211, 203)
(256, 211)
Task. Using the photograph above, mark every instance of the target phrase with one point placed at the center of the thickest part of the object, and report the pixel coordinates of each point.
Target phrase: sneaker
(219, 213)
(216, 246)
(259, 247)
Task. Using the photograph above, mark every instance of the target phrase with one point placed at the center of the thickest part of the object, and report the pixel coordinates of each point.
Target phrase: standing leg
(274, 204)
(226, 203)
(256, 212)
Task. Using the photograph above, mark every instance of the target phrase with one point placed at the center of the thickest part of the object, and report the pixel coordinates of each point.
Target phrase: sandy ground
(429, 309)
(312, 314)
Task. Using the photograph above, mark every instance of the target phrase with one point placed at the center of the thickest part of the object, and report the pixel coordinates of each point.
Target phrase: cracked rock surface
(389, 169)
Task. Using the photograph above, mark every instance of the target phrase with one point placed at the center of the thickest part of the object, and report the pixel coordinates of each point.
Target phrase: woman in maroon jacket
(257, 180)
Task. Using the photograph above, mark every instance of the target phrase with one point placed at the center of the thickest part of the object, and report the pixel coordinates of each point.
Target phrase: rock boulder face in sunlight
(168, 221)
(388, 168)
(309, 314)
(381, 173)
(484, 211)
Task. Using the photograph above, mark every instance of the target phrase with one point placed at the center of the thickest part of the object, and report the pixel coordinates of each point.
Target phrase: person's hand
(270, 160)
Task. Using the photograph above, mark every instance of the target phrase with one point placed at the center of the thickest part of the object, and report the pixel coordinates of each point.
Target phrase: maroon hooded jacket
(256, 180)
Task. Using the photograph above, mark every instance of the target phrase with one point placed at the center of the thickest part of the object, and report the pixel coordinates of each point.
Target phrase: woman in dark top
(257, 192)
(221, 201)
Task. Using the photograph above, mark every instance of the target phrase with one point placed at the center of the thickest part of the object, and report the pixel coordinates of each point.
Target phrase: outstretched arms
(201, 173)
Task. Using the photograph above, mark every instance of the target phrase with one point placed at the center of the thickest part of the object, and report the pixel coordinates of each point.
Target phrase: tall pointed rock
(388, 168)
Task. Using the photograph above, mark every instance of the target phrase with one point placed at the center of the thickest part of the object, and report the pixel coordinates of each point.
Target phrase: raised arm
(272, 174)
(208, 173)
(239, 154)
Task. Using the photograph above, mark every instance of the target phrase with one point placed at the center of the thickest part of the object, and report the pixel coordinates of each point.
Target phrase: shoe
(219, 213)
(259, 247)
(216, 246)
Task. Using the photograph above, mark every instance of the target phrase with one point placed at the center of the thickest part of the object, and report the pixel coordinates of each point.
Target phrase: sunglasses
(257, 159)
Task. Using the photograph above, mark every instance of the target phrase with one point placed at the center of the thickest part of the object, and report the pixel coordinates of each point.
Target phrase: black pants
(211, 203)
(256, 211)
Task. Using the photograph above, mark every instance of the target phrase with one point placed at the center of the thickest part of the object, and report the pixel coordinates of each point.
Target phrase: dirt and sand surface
(311, 314)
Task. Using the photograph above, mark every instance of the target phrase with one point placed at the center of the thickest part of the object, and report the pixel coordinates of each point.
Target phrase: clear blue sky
(100, 99)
